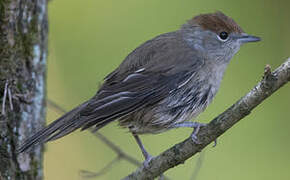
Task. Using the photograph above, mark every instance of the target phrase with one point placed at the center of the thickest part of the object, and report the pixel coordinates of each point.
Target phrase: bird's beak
(245, 38)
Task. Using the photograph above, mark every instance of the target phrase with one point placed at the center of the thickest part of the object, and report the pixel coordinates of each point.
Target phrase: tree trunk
(23, 51)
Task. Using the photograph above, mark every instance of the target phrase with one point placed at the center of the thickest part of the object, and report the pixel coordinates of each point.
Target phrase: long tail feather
(57, 129)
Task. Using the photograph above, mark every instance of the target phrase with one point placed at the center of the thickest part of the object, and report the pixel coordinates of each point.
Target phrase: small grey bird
(162, 84)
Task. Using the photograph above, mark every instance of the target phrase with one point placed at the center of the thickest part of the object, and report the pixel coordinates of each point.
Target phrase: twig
(4, 98)
(117, 150)
(10, 99)
(89, 174)
(55, 106)
(182, 151)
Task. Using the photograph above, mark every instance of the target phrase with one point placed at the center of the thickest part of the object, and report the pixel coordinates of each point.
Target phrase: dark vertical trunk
(23, 51)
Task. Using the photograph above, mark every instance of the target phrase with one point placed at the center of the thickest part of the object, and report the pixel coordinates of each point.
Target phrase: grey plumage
(165, 81)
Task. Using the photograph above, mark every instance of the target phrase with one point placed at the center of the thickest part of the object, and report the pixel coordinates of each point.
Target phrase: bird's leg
(146, 155)
(194, 125)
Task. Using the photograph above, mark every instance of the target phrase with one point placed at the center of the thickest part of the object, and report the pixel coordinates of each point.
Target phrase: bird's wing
(128, 96)
(145, 77)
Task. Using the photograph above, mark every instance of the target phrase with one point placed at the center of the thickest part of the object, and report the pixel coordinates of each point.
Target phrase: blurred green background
(89, 38)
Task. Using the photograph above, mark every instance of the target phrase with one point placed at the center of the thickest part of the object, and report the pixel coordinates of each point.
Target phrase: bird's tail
(57, 129)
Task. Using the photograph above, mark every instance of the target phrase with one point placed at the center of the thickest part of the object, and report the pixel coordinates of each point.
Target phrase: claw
(195, 132)
(146, 164)
(195, 139)
(147, 160)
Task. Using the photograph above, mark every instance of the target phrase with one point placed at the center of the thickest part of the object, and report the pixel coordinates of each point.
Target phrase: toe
(147, 161)
(195, 139)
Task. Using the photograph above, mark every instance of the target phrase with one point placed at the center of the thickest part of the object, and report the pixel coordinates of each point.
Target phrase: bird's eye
(223, 36)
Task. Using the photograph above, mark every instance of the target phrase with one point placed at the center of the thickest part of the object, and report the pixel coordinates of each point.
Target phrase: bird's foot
(146, 165)
(194, 133)
(146, 155)
(148, 158)
(194, 125)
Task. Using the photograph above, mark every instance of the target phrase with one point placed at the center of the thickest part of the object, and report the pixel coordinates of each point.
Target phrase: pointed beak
(245, 38)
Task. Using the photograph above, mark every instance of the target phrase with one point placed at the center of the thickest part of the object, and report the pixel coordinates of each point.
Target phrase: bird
(161, 85)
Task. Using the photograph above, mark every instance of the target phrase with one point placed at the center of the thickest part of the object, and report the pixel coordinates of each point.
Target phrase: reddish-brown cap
(216, 22)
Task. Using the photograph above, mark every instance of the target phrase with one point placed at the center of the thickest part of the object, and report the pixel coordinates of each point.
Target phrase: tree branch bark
(180, 152)
(23, 49)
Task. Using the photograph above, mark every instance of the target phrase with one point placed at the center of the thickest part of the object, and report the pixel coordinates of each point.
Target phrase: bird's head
(216, 35)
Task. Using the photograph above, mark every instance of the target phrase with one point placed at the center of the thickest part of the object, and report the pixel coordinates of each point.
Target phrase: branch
(180, 152)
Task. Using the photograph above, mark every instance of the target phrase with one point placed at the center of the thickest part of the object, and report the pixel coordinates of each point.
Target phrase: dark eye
(223, 35)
